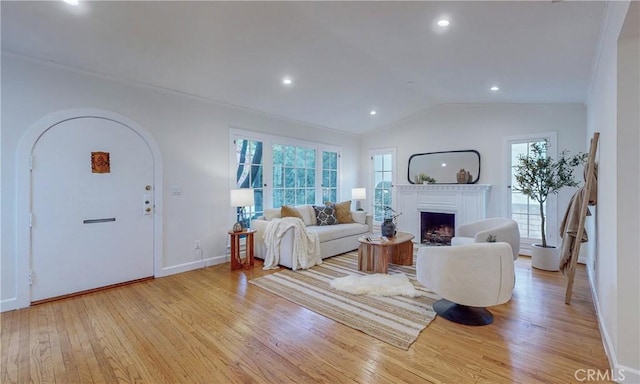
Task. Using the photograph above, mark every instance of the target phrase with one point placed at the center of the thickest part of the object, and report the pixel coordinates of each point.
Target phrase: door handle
(95, 221)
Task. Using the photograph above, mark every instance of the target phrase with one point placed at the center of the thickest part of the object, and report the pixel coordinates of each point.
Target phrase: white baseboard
(631, 376)
(190, 266)
(620, 373)
(11, 304)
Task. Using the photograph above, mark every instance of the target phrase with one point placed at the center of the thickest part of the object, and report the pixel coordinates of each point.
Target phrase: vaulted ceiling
(345, 59)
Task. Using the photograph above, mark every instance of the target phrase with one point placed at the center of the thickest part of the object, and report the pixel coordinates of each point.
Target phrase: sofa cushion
(343, 211)
(359, 217)
(332, 232)
(287, 211)
(308, 214)
(272, 213)
(325, 215)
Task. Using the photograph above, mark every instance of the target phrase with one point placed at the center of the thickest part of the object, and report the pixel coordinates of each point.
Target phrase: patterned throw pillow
(343, 211)
(325, 215)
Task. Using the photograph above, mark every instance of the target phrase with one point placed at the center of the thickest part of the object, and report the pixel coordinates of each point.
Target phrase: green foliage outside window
(293, 175)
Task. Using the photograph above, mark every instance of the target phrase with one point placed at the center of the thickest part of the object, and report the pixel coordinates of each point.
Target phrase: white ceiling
(345, 58)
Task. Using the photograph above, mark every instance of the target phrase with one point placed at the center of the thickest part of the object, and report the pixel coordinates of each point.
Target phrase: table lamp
(358, 194)
(241, 198)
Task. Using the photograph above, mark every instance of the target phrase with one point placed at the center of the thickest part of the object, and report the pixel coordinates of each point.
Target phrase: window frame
(551, 205)
(267, 161)
(372, 187)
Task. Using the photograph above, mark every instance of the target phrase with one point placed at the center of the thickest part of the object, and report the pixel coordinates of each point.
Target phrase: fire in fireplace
(437, 228)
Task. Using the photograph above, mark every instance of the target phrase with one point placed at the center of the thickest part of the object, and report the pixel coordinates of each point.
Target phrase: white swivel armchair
(502, 229)
(468, 278)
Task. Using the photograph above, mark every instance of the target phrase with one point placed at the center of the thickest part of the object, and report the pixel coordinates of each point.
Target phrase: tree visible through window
(284, 173)
(249, 174)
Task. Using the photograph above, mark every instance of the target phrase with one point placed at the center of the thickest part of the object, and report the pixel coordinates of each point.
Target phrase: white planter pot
(547, 259)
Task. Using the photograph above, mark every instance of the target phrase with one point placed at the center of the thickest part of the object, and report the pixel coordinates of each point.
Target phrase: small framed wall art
(100, 162)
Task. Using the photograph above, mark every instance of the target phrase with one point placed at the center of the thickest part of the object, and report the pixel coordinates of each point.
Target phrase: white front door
(90, 229)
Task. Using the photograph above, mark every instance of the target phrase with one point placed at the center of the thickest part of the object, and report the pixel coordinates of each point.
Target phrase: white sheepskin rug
(377, 284)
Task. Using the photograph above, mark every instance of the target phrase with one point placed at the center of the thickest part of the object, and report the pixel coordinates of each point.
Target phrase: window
(523, 210)
(294, 175)
(520, 208)
(383, 179)
(329, 176)
(249, 175)
(284, 171)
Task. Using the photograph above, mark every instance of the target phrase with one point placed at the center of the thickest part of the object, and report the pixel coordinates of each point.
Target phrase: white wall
(613, 111)
(628, 202)
(193, 136)
(482, 127)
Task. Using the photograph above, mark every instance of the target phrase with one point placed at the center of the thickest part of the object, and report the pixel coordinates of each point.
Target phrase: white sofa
(334, 239)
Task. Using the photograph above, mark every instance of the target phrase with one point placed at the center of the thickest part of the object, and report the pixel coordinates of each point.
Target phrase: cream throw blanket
(306, 244)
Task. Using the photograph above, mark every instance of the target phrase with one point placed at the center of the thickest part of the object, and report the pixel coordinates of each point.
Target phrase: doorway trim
(23, 191)
(552, 215)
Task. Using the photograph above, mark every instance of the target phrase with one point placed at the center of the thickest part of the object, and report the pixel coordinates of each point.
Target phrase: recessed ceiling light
(495, 88)
(72, 2)
(287, 81)
(443, 22)
(372, 113)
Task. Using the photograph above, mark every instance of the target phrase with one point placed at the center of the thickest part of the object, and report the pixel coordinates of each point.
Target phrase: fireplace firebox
(436, 228)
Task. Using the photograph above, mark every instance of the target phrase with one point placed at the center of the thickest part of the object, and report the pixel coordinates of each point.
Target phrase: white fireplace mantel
(467, 201)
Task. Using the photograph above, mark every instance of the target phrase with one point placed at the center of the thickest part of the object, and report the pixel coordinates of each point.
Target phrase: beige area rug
(396, 320)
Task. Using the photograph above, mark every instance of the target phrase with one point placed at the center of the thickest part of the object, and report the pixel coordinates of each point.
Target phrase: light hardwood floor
(211, 326)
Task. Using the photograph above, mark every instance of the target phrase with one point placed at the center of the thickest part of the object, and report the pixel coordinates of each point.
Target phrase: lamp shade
(242, 197)
(358, 193)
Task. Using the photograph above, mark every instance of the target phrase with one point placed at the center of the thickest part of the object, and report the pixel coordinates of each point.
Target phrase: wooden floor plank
(210, 325)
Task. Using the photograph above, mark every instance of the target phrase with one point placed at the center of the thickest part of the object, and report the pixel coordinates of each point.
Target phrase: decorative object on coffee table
(388, 226)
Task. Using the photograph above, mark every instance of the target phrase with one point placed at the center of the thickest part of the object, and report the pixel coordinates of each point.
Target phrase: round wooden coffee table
(375, 255)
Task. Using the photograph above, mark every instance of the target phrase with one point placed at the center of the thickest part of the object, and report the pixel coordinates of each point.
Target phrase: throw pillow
(286, 211)
(343, 211)
(359, 217)
(325, 215)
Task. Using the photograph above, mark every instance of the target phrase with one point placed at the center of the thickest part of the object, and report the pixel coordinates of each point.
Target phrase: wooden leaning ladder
(575, 251)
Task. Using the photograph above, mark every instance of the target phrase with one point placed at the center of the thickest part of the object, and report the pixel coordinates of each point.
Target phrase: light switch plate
(176, 190)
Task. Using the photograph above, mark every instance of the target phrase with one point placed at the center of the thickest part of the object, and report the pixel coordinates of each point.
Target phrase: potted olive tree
(538, 176)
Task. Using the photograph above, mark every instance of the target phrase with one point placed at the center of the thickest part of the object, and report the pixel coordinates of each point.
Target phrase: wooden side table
(236, 261)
